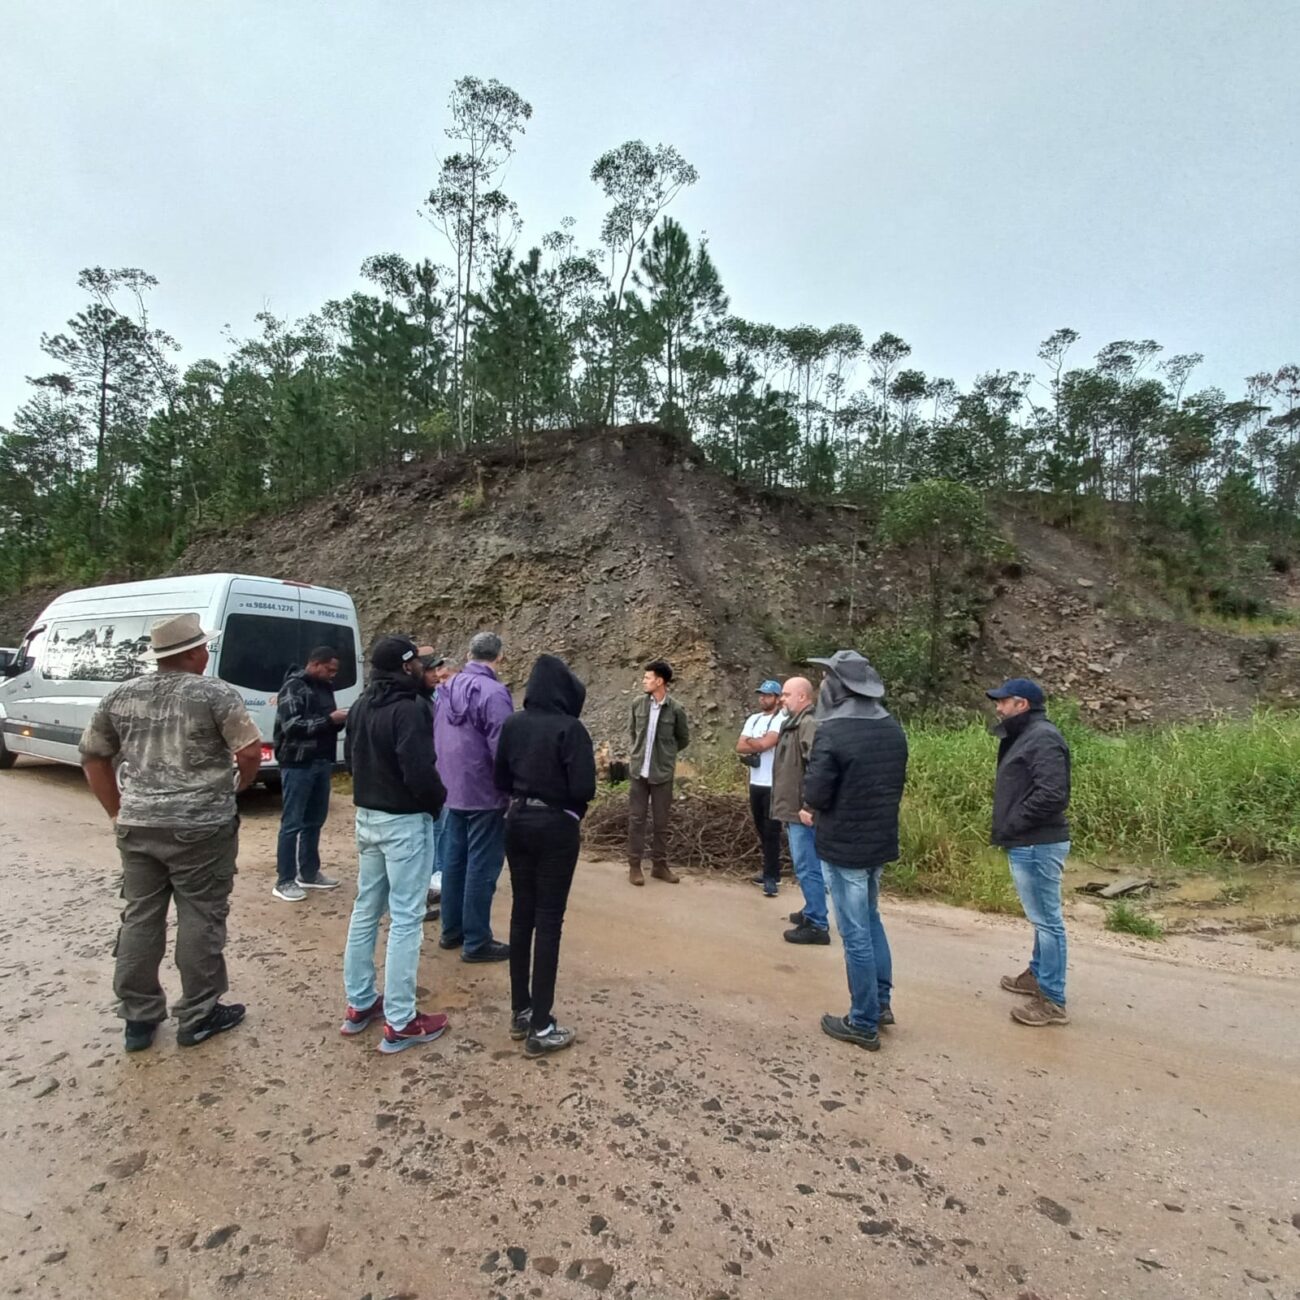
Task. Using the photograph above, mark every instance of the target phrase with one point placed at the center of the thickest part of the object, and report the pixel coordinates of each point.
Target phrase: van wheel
(7, 757)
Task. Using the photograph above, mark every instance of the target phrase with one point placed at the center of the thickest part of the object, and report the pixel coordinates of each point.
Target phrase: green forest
(120, 451)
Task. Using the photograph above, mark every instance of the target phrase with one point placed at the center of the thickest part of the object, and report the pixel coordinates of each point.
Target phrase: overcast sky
(970, 174)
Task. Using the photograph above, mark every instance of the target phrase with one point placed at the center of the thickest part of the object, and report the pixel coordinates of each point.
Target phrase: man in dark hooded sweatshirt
(546, 765)
(854, 784)
(398, 794)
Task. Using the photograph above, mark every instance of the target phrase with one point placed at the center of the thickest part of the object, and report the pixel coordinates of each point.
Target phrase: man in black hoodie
(854, 783)
(398, 795)
(545, 763)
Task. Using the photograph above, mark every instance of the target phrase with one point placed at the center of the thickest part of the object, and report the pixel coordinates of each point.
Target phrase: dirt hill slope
(612, 548)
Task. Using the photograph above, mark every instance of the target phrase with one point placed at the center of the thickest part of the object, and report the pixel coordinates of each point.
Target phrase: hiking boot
(554, 1039)
(634, 874)
(796, 918)
(1026, 982)
(521, 1024)
(1039, 1013)
(319, 881)
(289, 891)
(450, 941)
(490, 951)
(423, 1029)
(139, 1034)
(805, 933)
(355, 1022)
(839, 1027)
(218, 1020)
(886, 1017)
(664, 873)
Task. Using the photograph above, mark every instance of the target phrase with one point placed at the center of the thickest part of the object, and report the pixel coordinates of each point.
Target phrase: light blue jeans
(392, 877)
(855, 892)
(808, 872)
(1036, 869)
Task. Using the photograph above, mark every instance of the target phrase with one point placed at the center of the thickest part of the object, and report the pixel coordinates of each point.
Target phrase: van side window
(96, 650)
(258, 651)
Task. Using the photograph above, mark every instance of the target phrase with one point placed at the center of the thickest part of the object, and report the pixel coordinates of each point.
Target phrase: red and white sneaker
(355, 1022)
(423, 1029)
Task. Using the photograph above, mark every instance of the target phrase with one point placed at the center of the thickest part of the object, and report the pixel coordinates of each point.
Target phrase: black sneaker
(490, 951)
(839, 1027)
(139, 1034)
(757, 880)
(886, 1017)
(218, 1021)
(555, 1039)
(433, 914)
(806, 933)
(521, 1024)
(796, 918)
(450, 941)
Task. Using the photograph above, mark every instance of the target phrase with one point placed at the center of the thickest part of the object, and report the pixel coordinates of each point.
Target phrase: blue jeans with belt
(856, 894)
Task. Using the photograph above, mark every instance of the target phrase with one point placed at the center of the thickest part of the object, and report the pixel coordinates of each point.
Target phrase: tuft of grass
(1124, 918)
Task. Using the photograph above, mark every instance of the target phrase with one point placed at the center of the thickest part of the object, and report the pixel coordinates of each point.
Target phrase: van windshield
(258, 651)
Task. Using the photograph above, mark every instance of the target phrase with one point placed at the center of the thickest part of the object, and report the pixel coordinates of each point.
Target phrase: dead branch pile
(711, 832)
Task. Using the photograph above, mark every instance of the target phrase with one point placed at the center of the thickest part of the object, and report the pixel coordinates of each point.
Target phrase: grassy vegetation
(1125, 918)
(1194, 795)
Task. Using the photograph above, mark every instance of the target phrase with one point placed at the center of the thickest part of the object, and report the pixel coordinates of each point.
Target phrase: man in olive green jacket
(658, 733)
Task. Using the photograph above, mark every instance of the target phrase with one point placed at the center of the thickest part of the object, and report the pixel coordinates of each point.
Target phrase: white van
(87, 642)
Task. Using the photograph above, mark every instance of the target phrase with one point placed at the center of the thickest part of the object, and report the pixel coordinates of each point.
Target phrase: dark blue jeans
(305, 800)
(473, 852)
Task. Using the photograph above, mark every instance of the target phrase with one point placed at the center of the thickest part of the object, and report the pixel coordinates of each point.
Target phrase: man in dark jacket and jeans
(1030, 797)
(306, 746)
(546, 764)
(657, 733)
(854, 784)
(398, 795)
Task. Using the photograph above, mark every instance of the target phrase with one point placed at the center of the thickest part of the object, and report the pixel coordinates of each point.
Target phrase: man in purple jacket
(472, 708)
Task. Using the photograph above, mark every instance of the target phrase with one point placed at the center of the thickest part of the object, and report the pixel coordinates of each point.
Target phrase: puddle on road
(1262, 900)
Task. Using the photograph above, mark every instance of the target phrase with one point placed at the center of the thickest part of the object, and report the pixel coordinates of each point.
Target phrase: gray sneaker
(521, 1024)
(554, 1039)
(289, 892)
(321, 881)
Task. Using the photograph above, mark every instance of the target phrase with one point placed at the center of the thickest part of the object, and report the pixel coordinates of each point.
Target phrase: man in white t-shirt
(758, 757)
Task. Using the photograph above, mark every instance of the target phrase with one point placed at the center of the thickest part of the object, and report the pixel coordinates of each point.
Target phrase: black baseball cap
(390, 653)
(1022, 687)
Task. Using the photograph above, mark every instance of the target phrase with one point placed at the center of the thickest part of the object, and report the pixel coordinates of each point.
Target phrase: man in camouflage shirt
(158, 756)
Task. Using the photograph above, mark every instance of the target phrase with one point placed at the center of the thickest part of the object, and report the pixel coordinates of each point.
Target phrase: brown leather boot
(634, 874)
(664, 873)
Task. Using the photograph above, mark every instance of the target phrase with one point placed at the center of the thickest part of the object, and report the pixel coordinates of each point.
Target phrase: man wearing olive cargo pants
(164, 754)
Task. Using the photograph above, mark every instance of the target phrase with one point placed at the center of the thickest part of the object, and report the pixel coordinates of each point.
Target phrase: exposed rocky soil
(610, 548)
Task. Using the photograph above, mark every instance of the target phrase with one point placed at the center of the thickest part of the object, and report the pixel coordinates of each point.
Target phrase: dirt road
(704, 1139)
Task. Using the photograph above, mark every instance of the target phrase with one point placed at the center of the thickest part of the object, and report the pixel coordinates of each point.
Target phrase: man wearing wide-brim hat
(854, 785)
(164, 754)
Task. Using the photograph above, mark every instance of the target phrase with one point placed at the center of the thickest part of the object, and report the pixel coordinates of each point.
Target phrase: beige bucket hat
(175, 635)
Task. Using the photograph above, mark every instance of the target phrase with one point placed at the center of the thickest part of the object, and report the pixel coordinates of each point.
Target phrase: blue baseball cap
(769, 687)
(1022, 687)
